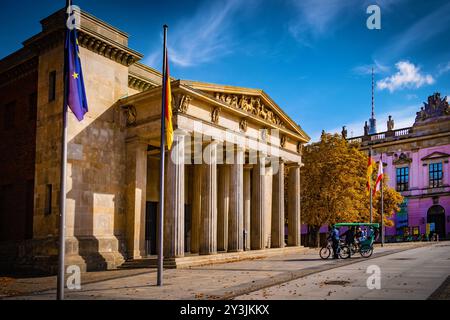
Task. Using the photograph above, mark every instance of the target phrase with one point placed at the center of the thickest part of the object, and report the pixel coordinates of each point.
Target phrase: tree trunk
(313, 236)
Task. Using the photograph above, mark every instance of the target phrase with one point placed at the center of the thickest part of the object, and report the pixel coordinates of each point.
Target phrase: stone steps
(200, 260)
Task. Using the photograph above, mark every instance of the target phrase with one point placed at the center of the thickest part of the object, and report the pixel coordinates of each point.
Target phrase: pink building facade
(416, 162)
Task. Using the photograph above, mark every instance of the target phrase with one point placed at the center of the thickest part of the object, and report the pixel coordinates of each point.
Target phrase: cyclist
(334, 237)
(350, 238)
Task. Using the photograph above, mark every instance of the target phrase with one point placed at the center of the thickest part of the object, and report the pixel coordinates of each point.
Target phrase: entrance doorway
(151, 213)
(436, 215)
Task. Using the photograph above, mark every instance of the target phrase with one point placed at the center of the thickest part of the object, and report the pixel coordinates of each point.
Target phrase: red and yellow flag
(168, 107)
(370, 167)
(379, 177)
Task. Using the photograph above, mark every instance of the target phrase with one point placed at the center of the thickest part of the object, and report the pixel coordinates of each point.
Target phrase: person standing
(334, 237)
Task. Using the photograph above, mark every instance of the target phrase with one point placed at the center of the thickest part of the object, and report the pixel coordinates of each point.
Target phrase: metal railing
(381, 136)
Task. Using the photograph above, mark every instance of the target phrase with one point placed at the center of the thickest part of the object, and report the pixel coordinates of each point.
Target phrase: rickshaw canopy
(357, 224)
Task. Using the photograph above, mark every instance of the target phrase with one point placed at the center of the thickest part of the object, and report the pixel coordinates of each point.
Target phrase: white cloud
(314, 19)
(206, 35)
(407, 76)
(419, 33)
(366, 69)
(443, 68)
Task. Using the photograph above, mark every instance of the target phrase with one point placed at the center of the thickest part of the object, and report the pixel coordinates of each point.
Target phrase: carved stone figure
(344, 132)
(234, 102)
(183, 104)
(283, 141)
(390, 124)
(215, 115)
(434, 107)
(366, 129)
(243, 125)
(300, 148)
(264, 134)
(131, 115)
(250, 104)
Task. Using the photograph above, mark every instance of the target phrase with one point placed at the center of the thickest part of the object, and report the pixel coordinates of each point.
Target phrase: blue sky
(312, 57)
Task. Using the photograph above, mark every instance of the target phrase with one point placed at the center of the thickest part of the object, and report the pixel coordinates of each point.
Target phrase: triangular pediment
(255, 102)
(436, 155)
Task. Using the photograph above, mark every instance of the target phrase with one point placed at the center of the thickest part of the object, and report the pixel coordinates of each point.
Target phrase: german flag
(168, 106)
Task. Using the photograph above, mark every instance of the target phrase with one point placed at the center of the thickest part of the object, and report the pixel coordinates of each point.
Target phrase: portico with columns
(232, 181)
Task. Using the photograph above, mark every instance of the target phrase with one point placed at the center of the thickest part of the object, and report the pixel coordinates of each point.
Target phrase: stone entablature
(116, 52)
(94, 35)
(256, 105)
(138, 83)
(250, 104)
(142, 77)
(191, 104)
(18, 71)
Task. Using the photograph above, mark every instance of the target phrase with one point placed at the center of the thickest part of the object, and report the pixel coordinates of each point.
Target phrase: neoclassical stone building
(232, 178)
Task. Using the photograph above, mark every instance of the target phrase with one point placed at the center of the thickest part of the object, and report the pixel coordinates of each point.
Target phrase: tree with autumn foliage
(333, 186)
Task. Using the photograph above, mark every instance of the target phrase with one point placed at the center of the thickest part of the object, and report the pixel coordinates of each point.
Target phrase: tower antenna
(373, 97)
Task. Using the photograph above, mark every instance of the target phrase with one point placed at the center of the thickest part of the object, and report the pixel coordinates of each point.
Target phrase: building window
(435, 174)
(52, 86)
(32, 106)
(403, 179)
(9, 116)
(48, 200)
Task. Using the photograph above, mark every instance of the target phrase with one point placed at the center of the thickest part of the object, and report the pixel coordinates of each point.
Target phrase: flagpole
(382, 205)
(370, 187)
(63, 178)
(161, 176)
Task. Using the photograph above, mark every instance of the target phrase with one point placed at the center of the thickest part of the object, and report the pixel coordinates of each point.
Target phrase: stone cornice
(94, 35)
(18, 71)
(138, 83)
(109, 49)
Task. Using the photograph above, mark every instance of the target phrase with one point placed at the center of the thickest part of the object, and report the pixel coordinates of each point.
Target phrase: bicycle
(364, 248)
(327, 250)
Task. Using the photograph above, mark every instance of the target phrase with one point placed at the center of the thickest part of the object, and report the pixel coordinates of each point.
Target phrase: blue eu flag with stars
(75, 90)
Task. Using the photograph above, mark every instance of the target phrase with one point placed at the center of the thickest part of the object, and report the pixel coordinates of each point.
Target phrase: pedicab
(365, 246)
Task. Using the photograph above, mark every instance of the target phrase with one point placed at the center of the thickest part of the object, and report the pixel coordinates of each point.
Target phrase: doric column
(294, 227)
(223, 202)
(236, 213)
(277, 234)
(196, 207)
(258, 201)
(247, 206)
(174, 200)
(208, 226)
(136, 183)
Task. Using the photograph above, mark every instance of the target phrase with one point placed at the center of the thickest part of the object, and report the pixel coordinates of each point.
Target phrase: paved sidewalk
(409, 275)
(221, 281)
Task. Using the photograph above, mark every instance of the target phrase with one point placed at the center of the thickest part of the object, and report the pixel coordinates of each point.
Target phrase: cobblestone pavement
(220, 281)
